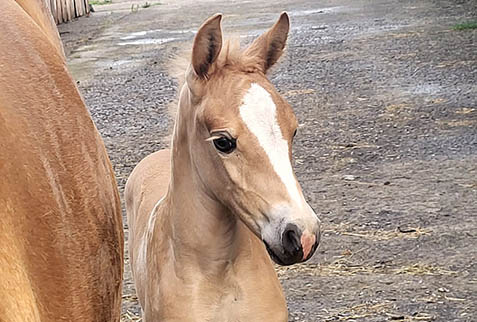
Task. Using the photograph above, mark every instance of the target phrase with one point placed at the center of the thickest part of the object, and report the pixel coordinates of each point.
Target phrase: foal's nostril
(291, 240)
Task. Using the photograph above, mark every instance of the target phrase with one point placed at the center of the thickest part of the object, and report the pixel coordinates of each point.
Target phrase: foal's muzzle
(297, 246)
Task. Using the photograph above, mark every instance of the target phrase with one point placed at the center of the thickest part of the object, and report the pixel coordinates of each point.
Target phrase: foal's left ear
(207, 46)
(269, 47)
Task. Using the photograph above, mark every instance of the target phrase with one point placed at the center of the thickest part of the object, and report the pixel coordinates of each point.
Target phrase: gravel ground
(386, 94)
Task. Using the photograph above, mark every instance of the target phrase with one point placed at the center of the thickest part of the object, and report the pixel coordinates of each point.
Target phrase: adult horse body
(61, 240)
(203, 215)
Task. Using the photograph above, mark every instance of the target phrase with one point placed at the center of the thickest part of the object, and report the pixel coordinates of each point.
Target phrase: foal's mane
(233, 56)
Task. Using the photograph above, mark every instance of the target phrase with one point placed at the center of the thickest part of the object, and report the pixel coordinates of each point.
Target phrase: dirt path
(386, 94)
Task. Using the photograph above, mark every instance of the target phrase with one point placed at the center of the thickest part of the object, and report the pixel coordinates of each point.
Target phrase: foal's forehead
(236, 97)
(261, 103)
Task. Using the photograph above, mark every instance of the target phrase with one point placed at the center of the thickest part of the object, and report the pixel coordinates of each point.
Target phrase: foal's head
(240, 137)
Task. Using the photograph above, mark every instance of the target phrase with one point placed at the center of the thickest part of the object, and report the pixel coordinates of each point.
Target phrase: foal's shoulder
(151, 175)
(155, 164)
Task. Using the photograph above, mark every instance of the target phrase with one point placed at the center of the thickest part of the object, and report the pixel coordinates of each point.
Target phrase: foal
(203, 215)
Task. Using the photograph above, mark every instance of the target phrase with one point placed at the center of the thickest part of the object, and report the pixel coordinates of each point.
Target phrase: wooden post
(83, 7)
(78, 7)
(59, 10)
(53, 10)
(66, 10)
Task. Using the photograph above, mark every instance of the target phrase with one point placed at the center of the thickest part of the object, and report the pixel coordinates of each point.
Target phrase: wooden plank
(53, 10)
(77, 4)
(64, 11)
(81, 7)
(68, 10)
(73, 9)
(59, 10)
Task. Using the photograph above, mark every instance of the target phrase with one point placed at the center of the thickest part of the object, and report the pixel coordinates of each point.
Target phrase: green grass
(466, 25)
(100, 2)
(150, 4)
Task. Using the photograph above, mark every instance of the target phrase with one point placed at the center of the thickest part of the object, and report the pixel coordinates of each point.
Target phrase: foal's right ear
(207, 46)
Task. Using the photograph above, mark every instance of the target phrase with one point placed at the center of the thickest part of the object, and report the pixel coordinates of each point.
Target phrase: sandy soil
(386, 95)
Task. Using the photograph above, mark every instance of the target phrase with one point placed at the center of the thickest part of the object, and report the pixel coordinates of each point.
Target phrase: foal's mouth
(273, 256)
(292, 260)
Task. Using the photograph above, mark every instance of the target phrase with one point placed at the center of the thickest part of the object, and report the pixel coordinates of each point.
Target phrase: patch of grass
(457, 123)
(378, 235)
(150, 4)
(359, 311)
(386, 310)
(295, 92)
(344, 267)
(465, 25)
(386, 235)
(99, 2)
(422, 269)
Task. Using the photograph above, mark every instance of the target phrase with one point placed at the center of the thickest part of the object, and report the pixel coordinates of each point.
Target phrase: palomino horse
(61, 239)
(198, 214)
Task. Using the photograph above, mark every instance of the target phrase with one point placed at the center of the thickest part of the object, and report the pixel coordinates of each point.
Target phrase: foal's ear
(269, 47)
(207, 46)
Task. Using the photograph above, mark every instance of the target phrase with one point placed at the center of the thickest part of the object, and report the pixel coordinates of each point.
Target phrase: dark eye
(224, 144)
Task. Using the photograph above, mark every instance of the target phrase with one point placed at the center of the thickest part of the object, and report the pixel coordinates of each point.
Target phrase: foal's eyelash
(213, 138)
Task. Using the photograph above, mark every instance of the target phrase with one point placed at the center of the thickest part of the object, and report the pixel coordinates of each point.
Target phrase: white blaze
(259, 113)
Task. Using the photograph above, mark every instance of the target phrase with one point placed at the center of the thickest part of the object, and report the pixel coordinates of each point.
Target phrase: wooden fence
(66, 10)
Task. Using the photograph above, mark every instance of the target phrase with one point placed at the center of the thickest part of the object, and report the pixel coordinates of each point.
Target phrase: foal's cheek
(233, 171)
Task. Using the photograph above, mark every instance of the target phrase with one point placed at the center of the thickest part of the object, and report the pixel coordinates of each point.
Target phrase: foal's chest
(233, 309)
(245, 302)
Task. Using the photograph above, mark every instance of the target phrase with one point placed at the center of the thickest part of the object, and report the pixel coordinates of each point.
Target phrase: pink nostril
(307, 241)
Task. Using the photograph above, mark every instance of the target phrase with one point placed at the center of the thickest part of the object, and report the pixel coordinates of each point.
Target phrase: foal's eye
(225, 145)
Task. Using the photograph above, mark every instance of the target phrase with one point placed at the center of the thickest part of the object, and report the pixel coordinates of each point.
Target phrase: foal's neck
(203, 229)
